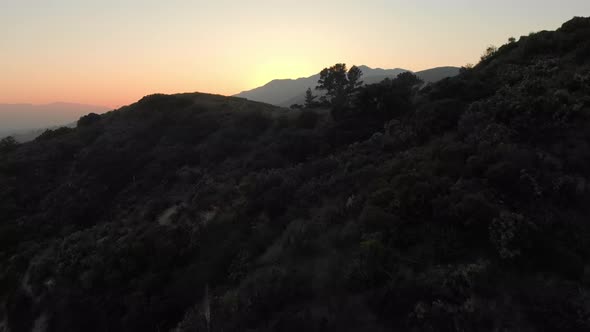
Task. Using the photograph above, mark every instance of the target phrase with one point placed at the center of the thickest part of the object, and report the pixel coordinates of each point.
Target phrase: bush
(88, 120)
(307, 120)
(51, 134)
(509, 234)
(8, 144)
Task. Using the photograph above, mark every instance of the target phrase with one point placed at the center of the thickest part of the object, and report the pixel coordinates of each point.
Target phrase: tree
(390, 97)
(310, 99)
(8, 144)
(466, 69)
(354, 79)
(407, 80)
(339, 83)
(88, 120)
(489, 53)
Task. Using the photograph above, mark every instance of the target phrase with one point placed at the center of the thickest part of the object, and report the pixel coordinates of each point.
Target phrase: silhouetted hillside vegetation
(456, 206)
(287, 92)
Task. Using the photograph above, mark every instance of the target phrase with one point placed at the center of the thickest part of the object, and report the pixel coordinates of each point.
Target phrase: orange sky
(114, 52)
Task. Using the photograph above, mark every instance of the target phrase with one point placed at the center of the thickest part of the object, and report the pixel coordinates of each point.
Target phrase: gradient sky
(113, 52)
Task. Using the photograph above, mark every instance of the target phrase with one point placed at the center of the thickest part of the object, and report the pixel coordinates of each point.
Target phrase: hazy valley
(26, 121)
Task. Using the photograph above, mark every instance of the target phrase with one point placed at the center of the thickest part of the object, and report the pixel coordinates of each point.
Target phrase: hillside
(461, 206)
(286, 92)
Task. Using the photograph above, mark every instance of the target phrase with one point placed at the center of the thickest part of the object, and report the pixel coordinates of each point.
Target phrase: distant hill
(25, 118)
(26, 135)
(286, 92)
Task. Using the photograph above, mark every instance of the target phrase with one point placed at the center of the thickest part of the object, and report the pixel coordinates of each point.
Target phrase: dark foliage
(8, 144)
(456, 206)
(88, 120)
(339, 83)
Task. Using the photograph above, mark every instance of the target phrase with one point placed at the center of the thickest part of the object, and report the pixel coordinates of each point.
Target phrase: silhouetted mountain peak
(285, 92)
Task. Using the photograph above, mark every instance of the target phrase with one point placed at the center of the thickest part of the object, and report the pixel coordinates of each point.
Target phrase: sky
(113, 52)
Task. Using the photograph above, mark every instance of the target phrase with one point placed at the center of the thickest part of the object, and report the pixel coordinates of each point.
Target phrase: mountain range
(286, 92)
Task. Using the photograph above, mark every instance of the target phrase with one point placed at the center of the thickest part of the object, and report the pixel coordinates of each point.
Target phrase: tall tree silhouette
(309, 99)
(339, 83)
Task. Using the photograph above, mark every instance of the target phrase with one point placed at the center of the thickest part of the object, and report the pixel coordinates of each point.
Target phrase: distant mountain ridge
(285, 92)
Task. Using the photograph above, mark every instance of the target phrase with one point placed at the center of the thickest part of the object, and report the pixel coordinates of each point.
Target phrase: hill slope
(286, 92)
(461, 206)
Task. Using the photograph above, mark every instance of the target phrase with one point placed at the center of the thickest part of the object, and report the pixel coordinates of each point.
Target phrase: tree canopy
(8, 143)
(339, 83)
(310, 99)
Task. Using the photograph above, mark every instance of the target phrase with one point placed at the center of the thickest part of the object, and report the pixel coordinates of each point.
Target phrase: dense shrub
(460, 205)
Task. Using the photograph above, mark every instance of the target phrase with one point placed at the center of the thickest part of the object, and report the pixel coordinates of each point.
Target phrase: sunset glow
(114, 52)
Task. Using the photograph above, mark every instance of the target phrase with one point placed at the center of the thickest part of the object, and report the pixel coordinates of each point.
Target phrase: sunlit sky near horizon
(113, 52)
